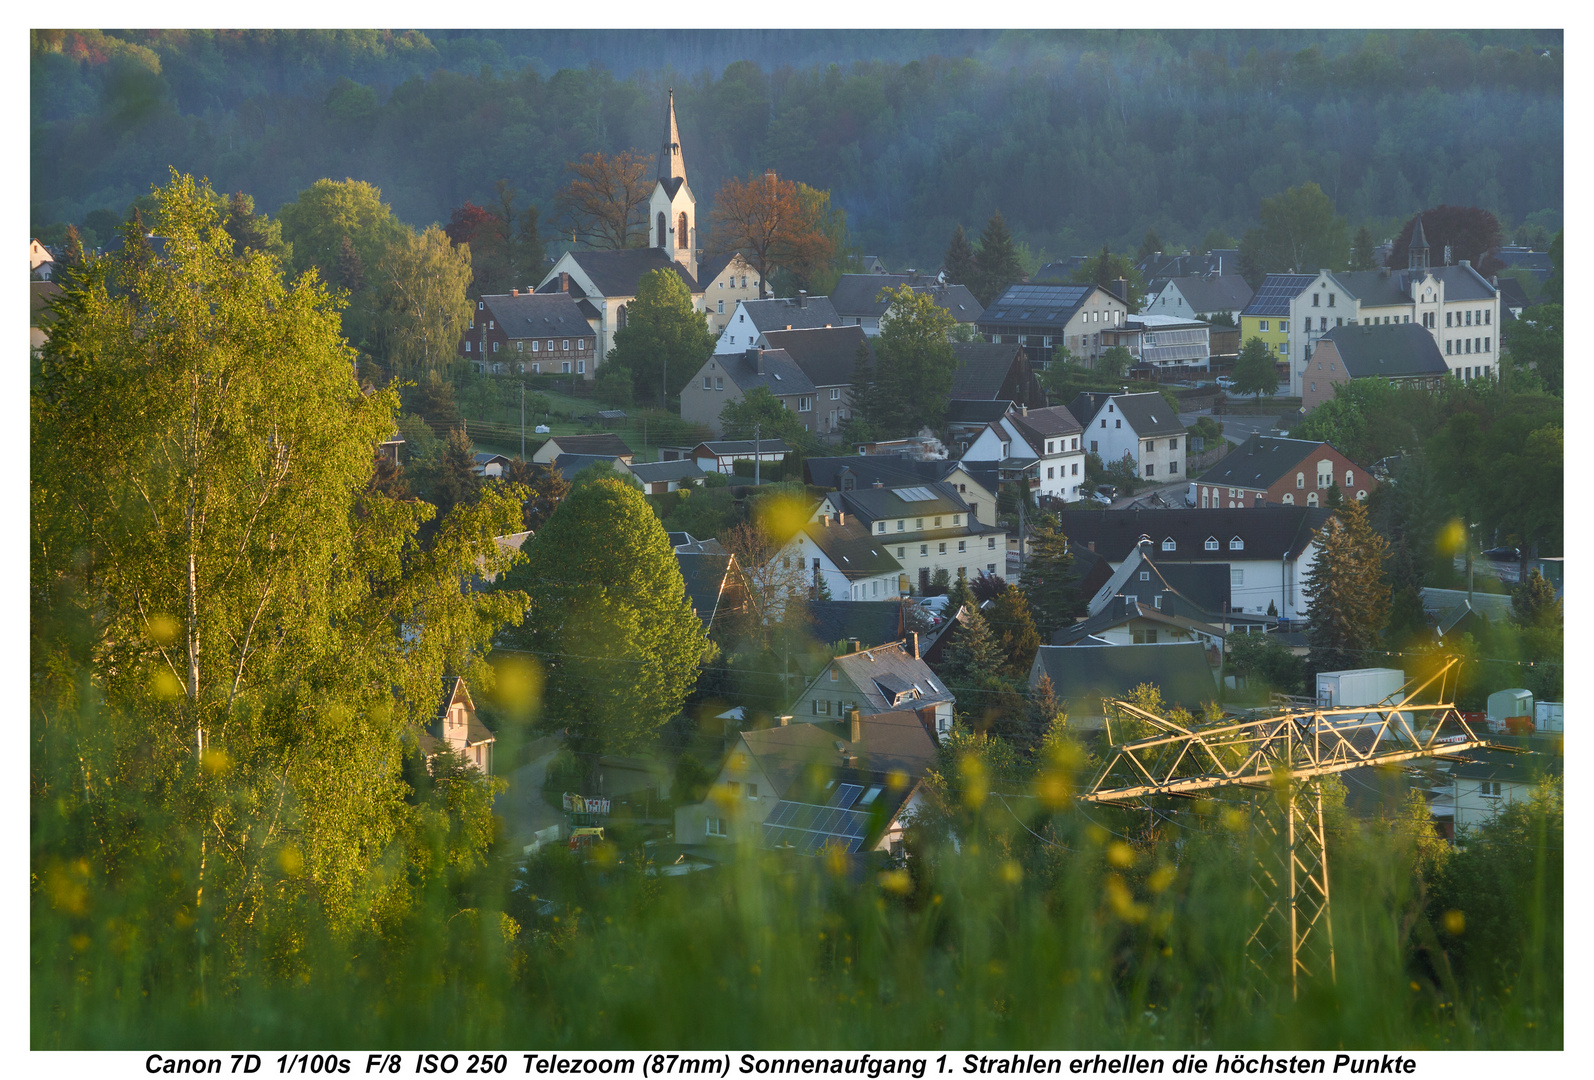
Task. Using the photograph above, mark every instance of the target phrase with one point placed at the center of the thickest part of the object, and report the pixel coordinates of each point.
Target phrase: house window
(1314, 300)
(1145, 575)
(1117, 424)
(564, 368)
(963, 545)
(1311, 500)
(719, 382)
(1447, 319)
(882, 527)
(835, 393)
(957, 519)
(480, 305)
(1300, 479)
(1236, 544)
(902, 553)
(1169, 545)
(581, 345)
(924, 549)
(1151, 470)
(1289, 498)
(467, 346)
(536, 369)
(1173, 444)
(833, 675)
(1236, 576)
(990, 543)
(1049, 472)
(1350, 479)
(805, 404)
(708, 383)
(715, 826)
(901, 524)
(937, 523)
(941, 548)
(721, 309)
(1489, 789)
(550, 345)
(752, 791)
(1151, 444)
(520, 346)
(1447, 348)
(1262, 324)
(536, 346)
(1212, 543)
(990, 568)
(581, 367)
(918, 524)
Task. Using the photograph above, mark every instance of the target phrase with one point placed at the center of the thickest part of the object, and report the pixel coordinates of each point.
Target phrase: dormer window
(1212, 543)
(1169, 545)
(1236, 544)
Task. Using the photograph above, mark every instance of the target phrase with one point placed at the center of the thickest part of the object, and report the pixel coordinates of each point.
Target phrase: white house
(1050, 437)
(1269, 549)
(1204, 297)
(841, 554)
(746, 326)
(1142, 426)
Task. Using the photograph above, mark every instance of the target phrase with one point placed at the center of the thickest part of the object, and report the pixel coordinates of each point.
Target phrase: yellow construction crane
(1284, 758)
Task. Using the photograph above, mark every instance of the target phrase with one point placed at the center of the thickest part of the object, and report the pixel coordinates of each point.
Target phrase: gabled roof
(1515, 768)
(872, 622)
(712, 266)
(1122, 610)
(731, 447)
(983, 369)
(1082, 675)
(530, 315)
(975, 411)
(1149, 414)
(862, 470)
(656, 472)
(616, 273)
(893, 741)
(912, 501)
(780, 312)
(453, 689)
(606, 444)
(1277, 290)
(1165, 265)
(1438, 602)
(780, 374)
(1208, 294)
(1260, 462)
(568, 465)
(1038, 425)
(1399, 350)
(855, 553)
(1087, 403)
(856, 295)
(827, 355)
(884, 673)
(1512, 294)
(1021, 307)
(1267, 532)
(706, 575)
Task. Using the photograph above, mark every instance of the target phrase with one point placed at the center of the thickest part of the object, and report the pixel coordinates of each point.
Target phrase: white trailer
(1506, 704)
(1547, 716)
(1358, 686)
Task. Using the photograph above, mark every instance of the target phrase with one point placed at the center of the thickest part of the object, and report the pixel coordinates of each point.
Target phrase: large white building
(1046, 442)
(1142, 427)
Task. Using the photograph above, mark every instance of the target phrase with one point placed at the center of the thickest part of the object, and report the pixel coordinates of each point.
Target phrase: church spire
(671, 164)
(1417, 253)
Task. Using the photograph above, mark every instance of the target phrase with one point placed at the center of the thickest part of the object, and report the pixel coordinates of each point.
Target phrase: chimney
(1023, 410)
(855, 724)
(784, 720)
(1091, 545)
(852, 645)
(914, 639)
(1120, 288)
(841, 517)
(755, 356)
(564, 281)
(514, 292)
(802, 298)
(878, 484)
(1466, 263)
(824, 519)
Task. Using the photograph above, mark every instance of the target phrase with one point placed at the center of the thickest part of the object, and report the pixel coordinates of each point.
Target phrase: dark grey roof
(893, 740)
(1082, 675)
(777, 313)
(987, 372)
(1205, 585)
(974, 411)
(1026, 307)
(654, 472)
(1060, 271)
(1399, 350)
(858, 295)
(1512, 767)
(1149, 414)
(706, 575)
(1169, 264)
(827, 355)
(569, 465)
(605, 444)
(897, 668)
(1121, 610)
(1387, 288)
(849, 545)
(872, 622)
(1037, 425)
(616, 273)
(1512, 294)
(727, 447)
(904, 501)
(781, 375)
(712, 266)
(1208, 294)
(1277, 290)
(1087, 404)
(1259, 461)
(892, 470)
(530, 315)
(1268, 532)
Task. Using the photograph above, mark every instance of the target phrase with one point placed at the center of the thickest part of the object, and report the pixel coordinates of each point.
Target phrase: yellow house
(1267, 316)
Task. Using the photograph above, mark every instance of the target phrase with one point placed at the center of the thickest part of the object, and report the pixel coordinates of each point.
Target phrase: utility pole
(523, 421)
(757, 453)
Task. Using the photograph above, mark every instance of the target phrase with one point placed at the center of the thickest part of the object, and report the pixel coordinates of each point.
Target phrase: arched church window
(663, 241)
(680, 231)
(619, 318)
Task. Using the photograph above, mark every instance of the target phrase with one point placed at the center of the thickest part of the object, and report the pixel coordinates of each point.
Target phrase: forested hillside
(1077, 138)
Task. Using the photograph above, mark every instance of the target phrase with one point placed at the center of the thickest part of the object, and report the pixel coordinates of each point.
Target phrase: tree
(251, 230)
(1047, 579)
(996, 262)
(760, 407)
(1010, 621)
(1537, 341)
(1105, 268)
(959, 265)
(506, 250)
(257, 628)
(1347, 594)
(325, 217)
(1470, 233)
(608, 620)
(545, 488)
(1534, 603)
(914, 362)
(348, 269)
(1361, 250)
(1264, 659)
(664, 341)
(1254, 370)
(822, 269)
(1150, 246)
(447, 477)
(422, 307)
(604, 203)
(768, 220)
(1300, 233)
(1113, 363)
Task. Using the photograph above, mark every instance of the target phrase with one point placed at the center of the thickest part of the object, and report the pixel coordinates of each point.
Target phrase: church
(603, 282)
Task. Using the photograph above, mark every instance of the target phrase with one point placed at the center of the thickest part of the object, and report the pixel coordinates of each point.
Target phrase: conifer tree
(959, 264)
(1348, 596)
(1047, 580)
(1010, 621)
(996, 262)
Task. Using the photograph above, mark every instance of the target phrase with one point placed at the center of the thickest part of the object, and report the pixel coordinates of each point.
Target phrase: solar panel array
(915, 494)
(1277, 290)
(808, 829)
(1043, 303)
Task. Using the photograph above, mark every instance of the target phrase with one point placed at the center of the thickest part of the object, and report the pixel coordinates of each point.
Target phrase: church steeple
(671, 164)
(1417, 253)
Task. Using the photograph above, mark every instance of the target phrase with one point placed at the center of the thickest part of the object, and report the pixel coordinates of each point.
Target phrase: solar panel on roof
(807, 828)
(846, 795)
(915, 494)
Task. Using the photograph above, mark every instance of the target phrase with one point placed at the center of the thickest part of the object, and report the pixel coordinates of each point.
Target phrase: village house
(728, 377)
(889, 678)
(752, 318)
(857, 300)
(1405, 353)
(1203, 297)
(1043, 318)
(828, 356)
(528, 333)
(456, 727)
(855, 471)
(926, 527)
(995, 373)
(604, 444)
(1266, 469)
(1141, 427)
(1044, 445)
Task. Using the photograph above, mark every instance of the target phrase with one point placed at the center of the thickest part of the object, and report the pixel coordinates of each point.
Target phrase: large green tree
(1105, 268)
(1347, 594)
(1299, 233)
(762, 408)
(608, 620)
(1047, 579)
(664, 341)
(1254, 370)
(914, 362)
(958, 263)
(996, 262)
(232, 631)
(422, 309)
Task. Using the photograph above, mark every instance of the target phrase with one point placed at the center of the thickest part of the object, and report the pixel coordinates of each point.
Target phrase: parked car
(1226, 382)
(1109, 490)
(1098, 498)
